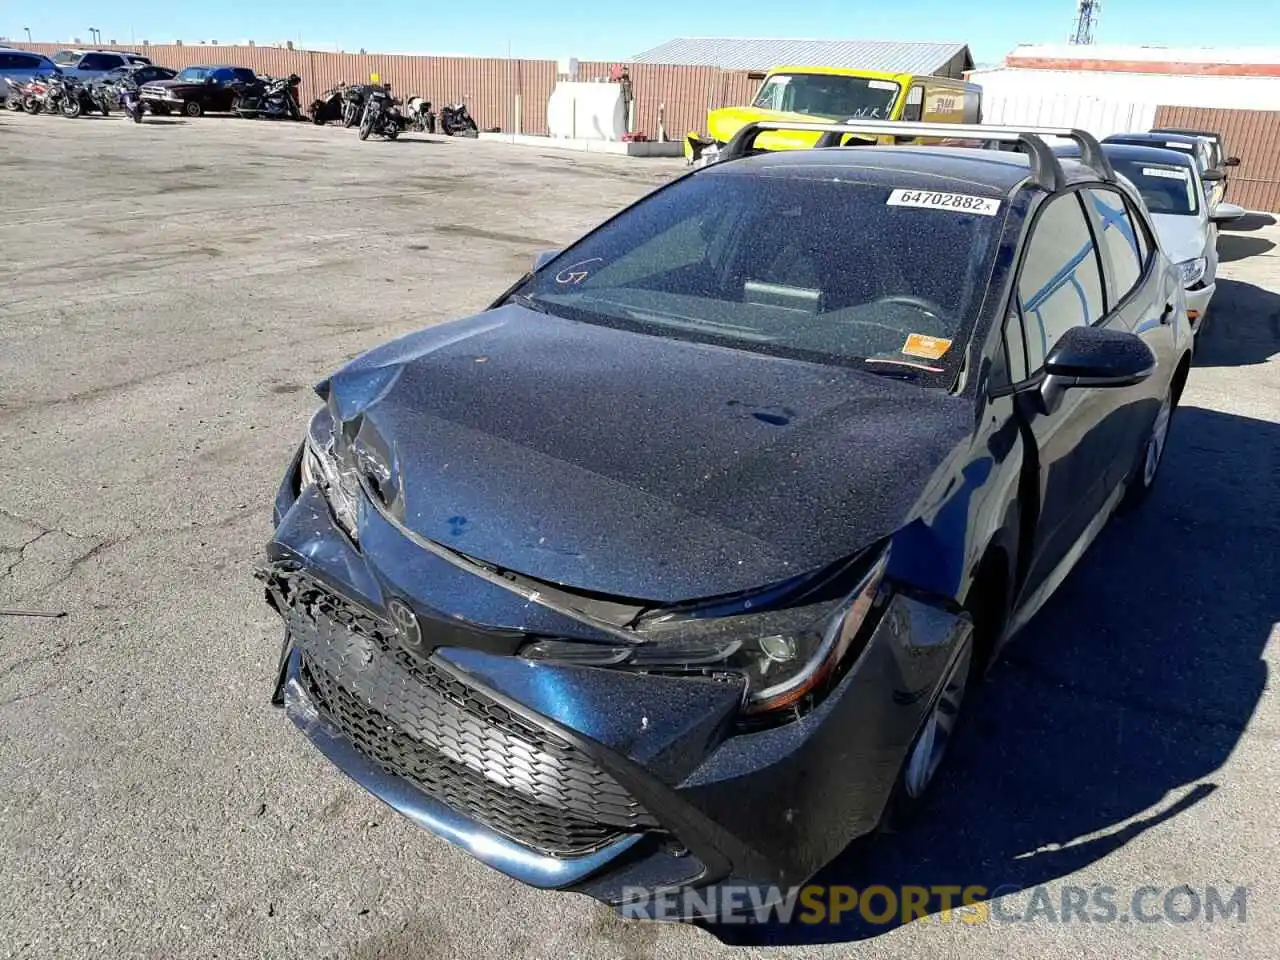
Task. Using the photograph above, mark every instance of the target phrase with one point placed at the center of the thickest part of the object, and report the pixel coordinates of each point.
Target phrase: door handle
(1167, 314)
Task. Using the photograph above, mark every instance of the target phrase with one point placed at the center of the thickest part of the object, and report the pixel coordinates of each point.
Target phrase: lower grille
(453, 742)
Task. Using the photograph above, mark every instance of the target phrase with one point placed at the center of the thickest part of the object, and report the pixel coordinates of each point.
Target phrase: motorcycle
(271, 98)
(455, 121)
(328, 107)
(33, 94)
(15, 91)
(381, 116)
(421, 116)
(129, 98)
(353, 100)
(103, 96)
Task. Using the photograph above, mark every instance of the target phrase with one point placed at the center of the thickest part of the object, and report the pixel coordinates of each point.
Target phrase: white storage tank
(579, 110)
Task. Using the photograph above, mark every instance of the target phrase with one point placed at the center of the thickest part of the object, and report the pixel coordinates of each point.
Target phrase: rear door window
(1060, 286)
(1117, 241)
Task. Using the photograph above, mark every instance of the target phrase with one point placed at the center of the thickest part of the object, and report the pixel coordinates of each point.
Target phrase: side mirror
(1093, 357)
(1213, 176)
(1231, 162)
(545, 257)
(1226, 213)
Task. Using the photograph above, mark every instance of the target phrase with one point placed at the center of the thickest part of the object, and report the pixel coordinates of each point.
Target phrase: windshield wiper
(529, 303)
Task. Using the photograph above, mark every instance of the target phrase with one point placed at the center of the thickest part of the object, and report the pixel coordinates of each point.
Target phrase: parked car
(140, 74)
(1217, 151)
(677, 563)
(20, 66)
(89, 65)
(1214, 178)
(198, 89)
(1174, 194)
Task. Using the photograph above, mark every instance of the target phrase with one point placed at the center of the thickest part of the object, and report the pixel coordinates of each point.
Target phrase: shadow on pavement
(1250, 221)
(1115, 707)
(1243, 326)
(1231, 248)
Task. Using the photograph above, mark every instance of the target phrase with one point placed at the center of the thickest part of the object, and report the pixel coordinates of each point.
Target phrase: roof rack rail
(1046, 171)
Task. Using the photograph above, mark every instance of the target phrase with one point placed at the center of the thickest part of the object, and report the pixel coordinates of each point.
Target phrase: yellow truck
(834, 94)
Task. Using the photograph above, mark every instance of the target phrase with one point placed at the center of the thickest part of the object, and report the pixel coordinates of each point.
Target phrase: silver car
(90, 65)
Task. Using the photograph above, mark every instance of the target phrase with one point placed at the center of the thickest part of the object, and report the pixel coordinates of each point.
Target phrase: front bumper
(499, 755)
(1198, 303)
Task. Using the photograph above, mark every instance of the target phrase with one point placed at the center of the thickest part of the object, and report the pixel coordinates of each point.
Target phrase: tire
(929, 747)
(366, 126)
(349, 116)
(1147, 469)
(160, 109)
(31, 105)
(393, 131)
(235, 105)
(71, 107)
(192, 108)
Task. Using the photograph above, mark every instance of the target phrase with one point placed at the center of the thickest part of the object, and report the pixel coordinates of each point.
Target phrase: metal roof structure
(762, 53)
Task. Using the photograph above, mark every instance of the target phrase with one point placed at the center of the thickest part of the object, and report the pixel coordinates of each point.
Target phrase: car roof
(1188, 138)
(1133, 151)
(992, 172)
(1207, 134)
(33, 53)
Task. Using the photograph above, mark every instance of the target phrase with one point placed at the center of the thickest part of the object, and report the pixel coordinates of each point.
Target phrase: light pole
(28, 29)
(94, 32)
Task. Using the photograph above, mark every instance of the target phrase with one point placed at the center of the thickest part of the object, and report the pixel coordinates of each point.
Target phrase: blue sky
(613, 30)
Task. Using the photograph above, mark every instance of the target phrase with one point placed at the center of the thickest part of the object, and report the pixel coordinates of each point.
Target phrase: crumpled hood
(1181, 237)
(639, 466)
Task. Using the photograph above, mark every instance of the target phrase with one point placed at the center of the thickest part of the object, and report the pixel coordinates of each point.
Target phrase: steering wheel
(927, 307)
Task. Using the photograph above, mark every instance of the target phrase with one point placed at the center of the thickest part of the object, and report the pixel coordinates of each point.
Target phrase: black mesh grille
(453, 742)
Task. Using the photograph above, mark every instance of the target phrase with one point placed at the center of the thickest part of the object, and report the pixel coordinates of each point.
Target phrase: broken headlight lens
(323, 467)
(782, 655)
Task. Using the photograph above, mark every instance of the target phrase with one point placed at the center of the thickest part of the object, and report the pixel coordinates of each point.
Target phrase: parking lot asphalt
(171, 291)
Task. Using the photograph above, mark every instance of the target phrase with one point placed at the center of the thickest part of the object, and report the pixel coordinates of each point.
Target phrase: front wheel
(192, 108)
(366, 126)
(929, 748)
(32, 105)
(159, 110)
(71, 107)
(1144, 474)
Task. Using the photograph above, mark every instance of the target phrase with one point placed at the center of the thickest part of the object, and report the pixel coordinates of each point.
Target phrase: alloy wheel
(931, 746)
(1156, 442)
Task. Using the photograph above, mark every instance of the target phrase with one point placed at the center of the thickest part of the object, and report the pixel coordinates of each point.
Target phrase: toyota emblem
(405, 622)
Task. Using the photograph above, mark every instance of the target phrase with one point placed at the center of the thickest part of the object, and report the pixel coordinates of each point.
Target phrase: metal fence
(677, 97)
(1251, 135)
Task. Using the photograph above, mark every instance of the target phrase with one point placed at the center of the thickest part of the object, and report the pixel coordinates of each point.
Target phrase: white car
(1186, 225)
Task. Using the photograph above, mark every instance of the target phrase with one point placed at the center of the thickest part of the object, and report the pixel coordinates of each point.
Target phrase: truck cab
(834, 94)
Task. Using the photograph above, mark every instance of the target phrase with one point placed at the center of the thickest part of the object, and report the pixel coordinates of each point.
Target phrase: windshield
(66, 58)
(194, 74)
(828, 96)
(832, 271)
(1165, 187)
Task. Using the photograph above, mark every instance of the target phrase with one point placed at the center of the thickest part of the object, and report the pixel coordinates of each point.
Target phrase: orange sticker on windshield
(923, 345)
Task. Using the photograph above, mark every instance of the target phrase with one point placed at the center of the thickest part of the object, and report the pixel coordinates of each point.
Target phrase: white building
(1109, 89)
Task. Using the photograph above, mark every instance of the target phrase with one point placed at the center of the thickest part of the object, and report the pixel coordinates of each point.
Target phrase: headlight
(1192, 271)
(783, 655)
(323, 468)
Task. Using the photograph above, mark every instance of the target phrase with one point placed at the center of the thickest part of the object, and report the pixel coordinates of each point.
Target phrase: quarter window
(1118, 242)
(1061, 283)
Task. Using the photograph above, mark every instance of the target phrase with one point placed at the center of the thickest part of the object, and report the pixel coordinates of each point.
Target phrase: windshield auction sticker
(923, 345)
(1166, 172)
(954, 202)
